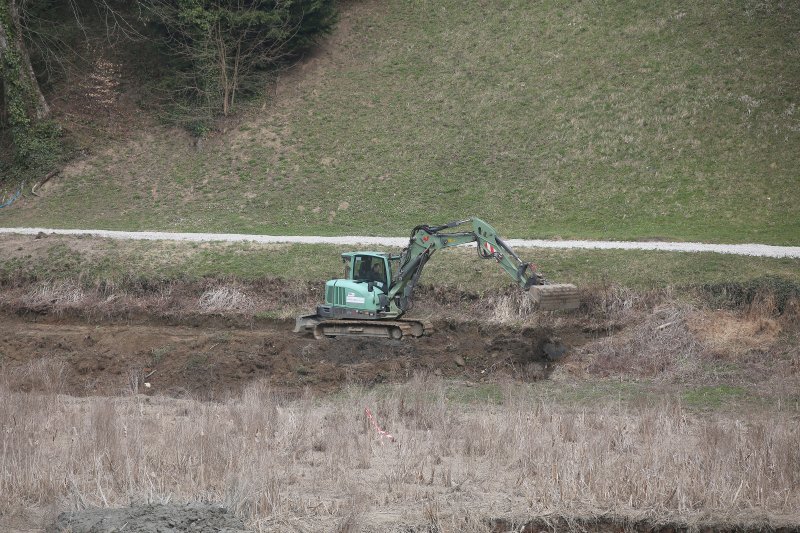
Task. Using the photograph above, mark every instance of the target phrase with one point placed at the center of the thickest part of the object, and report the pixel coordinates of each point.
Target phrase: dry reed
(225, 298)
(56, 295)
(313, 461)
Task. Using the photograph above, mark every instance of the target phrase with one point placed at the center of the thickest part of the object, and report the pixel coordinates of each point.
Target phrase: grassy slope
(623, 120)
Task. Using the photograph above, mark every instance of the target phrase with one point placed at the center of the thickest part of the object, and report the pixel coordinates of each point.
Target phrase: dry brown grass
(312, 462)
(659, 344)
(225, 298)
(656, 335)
(55, 295)
(603, 307)
(46, 374)
(730, 335)
(272, 298)
(513, 307)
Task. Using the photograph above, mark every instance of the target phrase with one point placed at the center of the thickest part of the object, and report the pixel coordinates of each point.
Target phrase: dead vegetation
(113, 300)
(657, 346)
(731, 336)
(657, 334)
(48, 375)
(670, 338)
(313, 461)
(54, 295)
(225, 298)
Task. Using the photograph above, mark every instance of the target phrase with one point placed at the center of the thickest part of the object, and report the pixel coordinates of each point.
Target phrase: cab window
(368, 268)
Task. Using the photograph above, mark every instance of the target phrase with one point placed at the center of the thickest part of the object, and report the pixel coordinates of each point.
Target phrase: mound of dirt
(621, 524)
(153, 518)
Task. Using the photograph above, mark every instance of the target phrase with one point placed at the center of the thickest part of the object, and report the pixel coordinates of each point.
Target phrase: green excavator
(378, 287)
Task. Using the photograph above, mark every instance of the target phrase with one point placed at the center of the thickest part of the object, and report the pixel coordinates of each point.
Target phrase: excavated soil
(207, 518)
(212, 357)
(154, 518)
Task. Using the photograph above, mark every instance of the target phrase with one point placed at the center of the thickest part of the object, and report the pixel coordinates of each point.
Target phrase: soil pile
(153, 518)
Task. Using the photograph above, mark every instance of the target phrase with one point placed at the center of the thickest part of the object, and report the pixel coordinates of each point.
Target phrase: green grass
(157, 354)
(624, 120)
(591, 392)
(483, 393)
(714, 396)
(101, 260)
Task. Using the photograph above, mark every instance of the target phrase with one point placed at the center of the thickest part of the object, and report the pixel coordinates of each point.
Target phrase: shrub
(738, 294)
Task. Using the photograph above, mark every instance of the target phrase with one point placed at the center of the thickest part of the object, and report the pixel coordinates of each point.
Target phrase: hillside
(624, 121)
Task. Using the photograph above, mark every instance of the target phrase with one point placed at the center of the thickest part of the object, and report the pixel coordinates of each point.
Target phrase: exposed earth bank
(210, 518)
(154, 518)
(213, 357)
(208, 340)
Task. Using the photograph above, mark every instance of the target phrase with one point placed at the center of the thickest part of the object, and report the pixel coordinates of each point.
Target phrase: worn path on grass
(757, 250)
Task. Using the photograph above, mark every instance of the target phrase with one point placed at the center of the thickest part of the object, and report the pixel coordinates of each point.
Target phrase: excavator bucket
(556, 297)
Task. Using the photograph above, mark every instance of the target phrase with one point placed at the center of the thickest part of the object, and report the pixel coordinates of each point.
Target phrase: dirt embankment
(207, 518)
(207, 340)
(153, 518)
(212, 357)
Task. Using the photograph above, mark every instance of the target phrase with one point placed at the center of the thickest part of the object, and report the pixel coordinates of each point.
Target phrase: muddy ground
(207, 518)
(153, 518)
(213, 357)
(172, 338)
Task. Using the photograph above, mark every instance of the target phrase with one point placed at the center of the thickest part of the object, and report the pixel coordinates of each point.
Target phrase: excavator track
(389, 329)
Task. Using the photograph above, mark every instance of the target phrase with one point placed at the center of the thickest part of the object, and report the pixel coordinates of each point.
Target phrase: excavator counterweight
(378, 287)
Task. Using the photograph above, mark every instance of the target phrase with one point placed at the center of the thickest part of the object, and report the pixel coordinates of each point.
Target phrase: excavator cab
(369, 267)
(362, 292)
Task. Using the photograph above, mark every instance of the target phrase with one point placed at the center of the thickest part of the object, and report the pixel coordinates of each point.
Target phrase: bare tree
(225, 42)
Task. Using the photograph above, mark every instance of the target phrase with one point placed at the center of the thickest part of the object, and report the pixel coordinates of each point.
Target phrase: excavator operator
(376, 274)
(372, 272)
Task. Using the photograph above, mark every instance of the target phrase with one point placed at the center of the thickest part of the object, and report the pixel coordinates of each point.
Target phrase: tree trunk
(222, 63)
(20, 84)
(41, 109)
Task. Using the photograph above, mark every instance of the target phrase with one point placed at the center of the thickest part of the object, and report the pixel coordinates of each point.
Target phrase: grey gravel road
(757, 250)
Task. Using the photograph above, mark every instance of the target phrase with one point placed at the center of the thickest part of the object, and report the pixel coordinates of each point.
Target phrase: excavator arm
(426, 240)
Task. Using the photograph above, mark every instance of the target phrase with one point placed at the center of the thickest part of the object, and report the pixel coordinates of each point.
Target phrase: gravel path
(758, 250)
